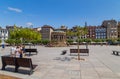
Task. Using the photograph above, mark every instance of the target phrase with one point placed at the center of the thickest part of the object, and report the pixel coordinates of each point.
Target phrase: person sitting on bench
(18, 52)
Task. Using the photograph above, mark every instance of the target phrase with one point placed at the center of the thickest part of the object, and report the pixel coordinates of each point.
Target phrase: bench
(7, 61)
(31, 50)
(116, 52)
(24, 62)
(81, 51)
(18, 62)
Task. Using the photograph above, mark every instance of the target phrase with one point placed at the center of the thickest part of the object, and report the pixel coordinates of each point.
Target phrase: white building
(3, 34)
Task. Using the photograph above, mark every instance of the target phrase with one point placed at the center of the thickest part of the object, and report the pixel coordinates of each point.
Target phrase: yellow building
(58, 38)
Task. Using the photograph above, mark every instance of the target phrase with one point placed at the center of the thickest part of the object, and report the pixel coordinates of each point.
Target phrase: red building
(91, 32)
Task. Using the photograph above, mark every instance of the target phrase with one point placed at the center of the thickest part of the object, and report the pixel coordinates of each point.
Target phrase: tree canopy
(24, 34)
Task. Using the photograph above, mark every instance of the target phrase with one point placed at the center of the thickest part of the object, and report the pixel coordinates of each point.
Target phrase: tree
(87, 40)
(69, 41)
(69, 34)
(24, 34)
(79, 31)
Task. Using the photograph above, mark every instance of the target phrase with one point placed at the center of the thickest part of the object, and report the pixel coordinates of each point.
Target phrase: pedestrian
(12, 50)
(3, 46)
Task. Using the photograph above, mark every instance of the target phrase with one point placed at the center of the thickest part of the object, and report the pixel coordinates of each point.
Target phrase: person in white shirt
(17, 52)
(12, 50)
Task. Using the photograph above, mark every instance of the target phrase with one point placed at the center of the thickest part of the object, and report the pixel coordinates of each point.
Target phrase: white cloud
(29, 24)
(14, 9)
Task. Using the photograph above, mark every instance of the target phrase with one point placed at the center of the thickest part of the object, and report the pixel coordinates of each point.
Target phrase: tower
(85, 24)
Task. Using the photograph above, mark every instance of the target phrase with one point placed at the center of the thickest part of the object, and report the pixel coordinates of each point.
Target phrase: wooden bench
(24, 62)
(7, 61)
(18, 62)
(31, 50)
(81, 51)
(116, 52)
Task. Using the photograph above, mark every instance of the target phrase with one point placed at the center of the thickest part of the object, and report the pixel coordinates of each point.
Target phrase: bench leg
(31, 71)
(3, 67)
(29, 53)
(113, 52)
(117, 53)
(16, 68)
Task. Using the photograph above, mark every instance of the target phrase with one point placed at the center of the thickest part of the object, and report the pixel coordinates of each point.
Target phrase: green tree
(69, 41)
(24, 34)
(97, 40)
(69, 34)
(87, 40)
(10, 41)
(79, 31)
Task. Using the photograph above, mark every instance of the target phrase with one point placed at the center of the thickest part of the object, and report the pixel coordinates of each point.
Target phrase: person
(3, 46)
(18, 52)
(12, 50)
(23, 48)
(3, 43)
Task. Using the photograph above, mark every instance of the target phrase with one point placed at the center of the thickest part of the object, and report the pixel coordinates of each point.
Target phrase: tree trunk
(78, 51)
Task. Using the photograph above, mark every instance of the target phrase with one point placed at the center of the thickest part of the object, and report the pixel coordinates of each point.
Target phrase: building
(100, 32)
(46, 31)
(91, 32)
(4, 34)
(38, 29)
(111, 27)
(9, 27)
(118, 29)
(62, 28)
(58, 38)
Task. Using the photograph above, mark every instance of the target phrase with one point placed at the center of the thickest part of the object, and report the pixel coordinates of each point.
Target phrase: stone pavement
(100, 64)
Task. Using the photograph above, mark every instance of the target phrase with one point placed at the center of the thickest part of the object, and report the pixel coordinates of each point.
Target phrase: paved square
(100, 64)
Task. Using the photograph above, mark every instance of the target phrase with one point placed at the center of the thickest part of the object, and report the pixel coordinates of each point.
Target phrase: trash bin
(63, 52)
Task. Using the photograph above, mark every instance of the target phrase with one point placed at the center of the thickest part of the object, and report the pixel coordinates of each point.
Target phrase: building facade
(46, 31)
(62, 28)
(91, 32)
(4, 34)
(58, 36)
(100, 32)
(118, 29)
(111, 27)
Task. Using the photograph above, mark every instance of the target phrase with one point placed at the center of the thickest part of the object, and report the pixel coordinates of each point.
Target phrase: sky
(55, 13)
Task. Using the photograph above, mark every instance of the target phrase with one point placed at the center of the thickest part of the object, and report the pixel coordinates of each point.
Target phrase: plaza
(100, 64)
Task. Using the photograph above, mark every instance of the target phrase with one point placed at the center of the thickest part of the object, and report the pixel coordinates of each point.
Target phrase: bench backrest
(81, 50)
(73, 50)
(84, 50)
(24, 62)
(8, 60)
(30, 50)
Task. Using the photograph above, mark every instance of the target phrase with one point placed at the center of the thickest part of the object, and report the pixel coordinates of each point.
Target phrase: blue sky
(57, 12)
